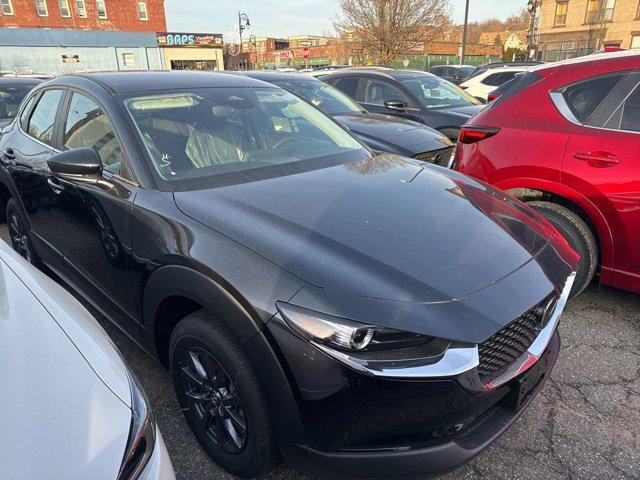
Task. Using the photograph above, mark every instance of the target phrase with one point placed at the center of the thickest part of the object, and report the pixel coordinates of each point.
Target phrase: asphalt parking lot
(585, 424)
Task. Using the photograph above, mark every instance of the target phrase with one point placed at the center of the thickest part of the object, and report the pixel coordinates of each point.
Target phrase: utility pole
(464, 33)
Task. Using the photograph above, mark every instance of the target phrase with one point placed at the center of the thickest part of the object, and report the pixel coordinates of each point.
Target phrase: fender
(178, 280)
(172, 280)
(7, 181)
(595, 215)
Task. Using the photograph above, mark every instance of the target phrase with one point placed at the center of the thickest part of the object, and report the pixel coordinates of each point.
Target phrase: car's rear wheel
(19, 233)
(221, 397)
(578, 235)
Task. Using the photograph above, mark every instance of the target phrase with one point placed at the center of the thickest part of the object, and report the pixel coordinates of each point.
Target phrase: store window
(128, 60)
(102, 9)
(560, 19)
(81, 7)
(142, 11)
(194, 65)
(65, 11)
(41, 8)
(7, 7)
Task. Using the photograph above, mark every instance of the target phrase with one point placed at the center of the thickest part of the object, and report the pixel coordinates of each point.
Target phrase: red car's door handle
(598, 159)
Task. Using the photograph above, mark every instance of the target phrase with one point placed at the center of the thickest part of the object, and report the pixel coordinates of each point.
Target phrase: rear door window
(627, 116)
(584, 98)
(497, 79)
(42, 122)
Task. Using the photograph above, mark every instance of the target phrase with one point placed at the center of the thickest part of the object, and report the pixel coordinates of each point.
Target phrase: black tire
(579, 236)
(19, 233)
(199, 334)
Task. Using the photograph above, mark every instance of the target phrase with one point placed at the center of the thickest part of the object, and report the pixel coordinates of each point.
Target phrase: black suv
(359, 315)
(414, 95)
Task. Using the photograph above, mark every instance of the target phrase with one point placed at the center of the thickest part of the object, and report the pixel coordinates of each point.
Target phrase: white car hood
(60, 419)
(82, 330)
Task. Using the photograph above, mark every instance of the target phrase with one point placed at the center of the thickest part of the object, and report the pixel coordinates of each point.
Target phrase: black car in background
(409, 94)
(452, 73)
(359, 316)
(12, 91)
(384, 133)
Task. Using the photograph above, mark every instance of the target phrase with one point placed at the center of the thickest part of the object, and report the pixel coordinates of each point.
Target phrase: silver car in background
(71, 408)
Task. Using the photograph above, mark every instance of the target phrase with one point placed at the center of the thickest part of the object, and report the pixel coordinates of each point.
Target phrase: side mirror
(81, 163)
(397, 105)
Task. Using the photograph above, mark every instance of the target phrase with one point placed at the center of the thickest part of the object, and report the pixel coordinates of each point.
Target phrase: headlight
(379, 351)
(142, 434)
(345, 334)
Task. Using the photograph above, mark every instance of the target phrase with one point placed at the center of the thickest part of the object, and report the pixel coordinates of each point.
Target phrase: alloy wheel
(214, 400)
(19, 238)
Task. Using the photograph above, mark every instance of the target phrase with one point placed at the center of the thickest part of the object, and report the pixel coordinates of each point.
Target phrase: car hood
(384, 228)
(394, 131)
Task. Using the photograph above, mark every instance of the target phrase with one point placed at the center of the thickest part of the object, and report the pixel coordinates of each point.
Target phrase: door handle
(598, 159)
(57, 188)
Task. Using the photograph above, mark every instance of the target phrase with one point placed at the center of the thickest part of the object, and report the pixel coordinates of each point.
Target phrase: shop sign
(179, 39)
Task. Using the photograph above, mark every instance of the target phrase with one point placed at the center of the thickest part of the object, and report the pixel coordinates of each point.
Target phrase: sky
(284, 18)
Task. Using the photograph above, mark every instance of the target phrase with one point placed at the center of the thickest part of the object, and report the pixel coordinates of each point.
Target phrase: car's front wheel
(578, 235)
(221, 397)
(19, 233)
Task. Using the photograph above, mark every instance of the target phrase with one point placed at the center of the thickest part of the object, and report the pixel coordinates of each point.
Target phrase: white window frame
(101, 5)
(81, 8)
(141, 10)
(4, 4)
(131, 56)
(39, 4)
(637, 39)
(64, 5)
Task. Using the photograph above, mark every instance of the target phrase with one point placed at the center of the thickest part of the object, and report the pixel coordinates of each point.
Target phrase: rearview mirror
(398, 105)
(79, 163)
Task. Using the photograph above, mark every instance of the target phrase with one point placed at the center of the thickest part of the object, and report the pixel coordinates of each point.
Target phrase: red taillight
(463, 87)
(492, 97)
(470, 134)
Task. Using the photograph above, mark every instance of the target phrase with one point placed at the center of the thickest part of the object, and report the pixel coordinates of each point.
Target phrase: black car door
(25, 156)
(95, 216)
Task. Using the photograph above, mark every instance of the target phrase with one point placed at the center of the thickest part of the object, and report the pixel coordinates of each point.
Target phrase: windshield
(434, 92)
(204, 133)
(328, 99)
(10, 98)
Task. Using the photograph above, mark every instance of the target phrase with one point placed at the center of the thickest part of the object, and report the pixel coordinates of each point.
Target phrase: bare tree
(388, 28)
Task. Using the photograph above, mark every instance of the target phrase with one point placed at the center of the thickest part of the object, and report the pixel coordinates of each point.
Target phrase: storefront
(54, 51)
(191, 51)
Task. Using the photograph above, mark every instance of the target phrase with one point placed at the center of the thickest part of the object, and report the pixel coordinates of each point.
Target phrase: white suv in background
(483, 84)
(71, 409)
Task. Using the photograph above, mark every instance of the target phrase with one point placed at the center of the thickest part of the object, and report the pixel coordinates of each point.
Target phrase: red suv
(564, 137)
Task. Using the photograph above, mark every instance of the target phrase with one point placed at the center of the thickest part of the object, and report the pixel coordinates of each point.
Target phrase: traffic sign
(305, 53)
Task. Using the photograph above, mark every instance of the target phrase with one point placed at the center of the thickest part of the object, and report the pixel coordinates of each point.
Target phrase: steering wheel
(282, 141)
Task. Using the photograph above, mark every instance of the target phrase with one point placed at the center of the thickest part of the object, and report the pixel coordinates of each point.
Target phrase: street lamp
(243, 24)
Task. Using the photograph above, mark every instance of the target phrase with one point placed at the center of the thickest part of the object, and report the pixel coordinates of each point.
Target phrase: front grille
(439, 157)
(510, 343)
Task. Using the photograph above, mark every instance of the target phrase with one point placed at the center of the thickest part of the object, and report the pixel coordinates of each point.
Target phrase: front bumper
(423, 439)
(159, 466)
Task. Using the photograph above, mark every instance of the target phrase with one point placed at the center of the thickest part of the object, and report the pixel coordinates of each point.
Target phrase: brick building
(569, 28)
(129, 15)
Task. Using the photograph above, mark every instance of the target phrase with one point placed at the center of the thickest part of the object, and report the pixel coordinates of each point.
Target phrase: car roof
(391, 73)
(271, 76)
(19, 80)
(600, 62)
(140, 81)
